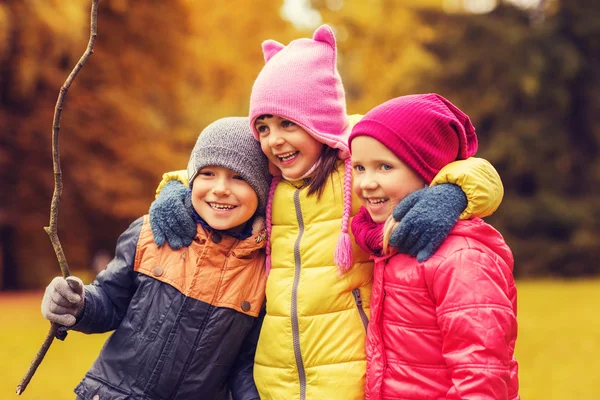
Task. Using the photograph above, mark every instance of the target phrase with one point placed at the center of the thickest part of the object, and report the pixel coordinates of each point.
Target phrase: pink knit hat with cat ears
(300, 82)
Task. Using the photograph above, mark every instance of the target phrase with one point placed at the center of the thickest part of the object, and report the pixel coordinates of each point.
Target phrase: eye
(359, 168)
(206, 173)
(239, 177)
(287, 123)
(386, 167)
(262, 129)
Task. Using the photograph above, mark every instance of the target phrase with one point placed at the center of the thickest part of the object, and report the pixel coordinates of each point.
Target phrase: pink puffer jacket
(445, 328)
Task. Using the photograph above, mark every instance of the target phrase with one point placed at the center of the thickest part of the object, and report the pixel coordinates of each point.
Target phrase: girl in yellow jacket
(312, 342)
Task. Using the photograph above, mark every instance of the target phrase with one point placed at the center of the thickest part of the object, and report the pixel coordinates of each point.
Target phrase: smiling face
(287, 145)
(223, 198)
(381, 180)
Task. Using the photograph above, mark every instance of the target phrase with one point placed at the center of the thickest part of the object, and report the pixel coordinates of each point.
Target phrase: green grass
(558, 347)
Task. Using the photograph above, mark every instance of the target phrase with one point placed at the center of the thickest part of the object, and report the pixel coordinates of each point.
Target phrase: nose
(368, 182)
(275, 138)
(221, 188)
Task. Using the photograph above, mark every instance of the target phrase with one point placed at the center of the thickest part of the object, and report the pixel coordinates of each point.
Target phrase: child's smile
(221, 207)
(288, 158)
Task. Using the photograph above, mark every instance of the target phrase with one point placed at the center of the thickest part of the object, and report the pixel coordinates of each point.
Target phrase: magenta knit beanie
(425, 131)
(300, 82)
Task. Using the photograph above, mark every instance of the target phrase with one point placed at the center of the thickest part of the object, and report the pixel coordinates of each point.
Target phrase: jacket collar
(241, 247)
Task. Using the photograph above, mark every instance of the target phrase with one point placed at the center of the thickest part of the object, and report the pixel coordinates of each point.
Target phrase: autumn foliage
(163, 70)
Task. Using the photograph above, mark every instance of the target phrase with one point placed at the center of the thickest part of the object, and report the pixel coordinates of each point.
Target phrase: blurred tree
(381, 55)
(531, 85)
(161, 71)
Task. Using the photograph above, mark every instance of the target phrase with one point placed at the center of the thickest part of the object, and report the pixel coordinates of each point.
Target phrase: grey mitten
(171, 216)
(63, 300)
(426, 218)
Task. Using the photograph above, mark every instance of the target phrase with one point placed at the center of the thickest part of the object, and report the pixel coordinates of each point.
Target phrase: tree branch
(52, 230)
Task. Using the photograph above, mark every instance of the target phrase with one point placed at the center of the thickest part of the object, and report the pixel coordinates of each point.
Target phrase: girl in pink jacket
(444, 328)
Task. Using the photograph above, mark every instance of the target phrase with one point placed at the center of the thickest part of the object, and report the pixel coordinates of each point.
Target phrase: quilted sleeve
(181, 176)
(477, 320)
(480, 182)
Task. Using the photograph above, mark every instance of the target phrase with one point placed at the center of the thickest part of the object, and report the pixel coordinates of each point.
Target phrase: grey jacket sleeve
(107, 299)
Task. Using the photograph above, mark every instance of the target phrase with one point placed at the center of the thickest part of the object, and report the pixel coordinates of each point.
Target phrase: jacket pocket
(359, 306)
(91, 386)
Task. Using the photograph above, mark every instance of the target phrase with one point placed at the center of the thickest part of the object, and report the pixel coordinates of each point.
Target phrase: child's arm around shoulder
(180, 175)
(480, 182)
(474, 294)
(462, 189)
(107, 299)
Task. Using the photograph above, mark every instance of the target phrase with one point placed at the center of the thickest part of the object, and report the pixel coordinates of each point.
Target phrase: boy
(186, 321)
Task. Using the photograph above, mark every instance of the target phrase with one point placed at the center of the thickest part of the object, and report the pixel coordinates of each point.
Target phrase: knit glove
(171, 216)
(63, 300)
(426, 218)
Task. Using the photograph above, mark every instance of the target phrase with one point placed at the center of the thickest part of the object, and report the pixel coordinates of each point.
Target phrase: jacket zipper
(359, 305)
(294, 311)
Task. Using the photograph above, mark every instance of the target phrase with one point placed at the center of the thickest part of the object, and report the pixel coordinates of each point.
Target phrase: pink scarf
(368, 234)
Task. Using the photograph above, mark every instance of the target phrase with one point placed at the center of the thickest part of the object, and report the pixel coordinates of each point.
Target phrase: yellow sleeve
(353, 119)
(480, 182)
(180, 176)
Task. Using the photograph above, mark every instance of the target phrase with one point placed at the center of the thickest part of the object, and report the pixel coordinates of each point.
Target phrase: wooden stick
(52, 229)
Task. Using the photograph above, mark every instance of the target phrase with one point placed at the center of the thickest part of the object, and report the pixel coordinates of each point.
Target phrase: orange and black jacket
(186, 322)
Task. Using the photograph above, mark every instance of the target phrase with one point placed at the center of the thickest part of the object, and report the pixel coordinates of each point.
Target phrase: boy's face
(381, 180)
(223, 198)
(287, 145)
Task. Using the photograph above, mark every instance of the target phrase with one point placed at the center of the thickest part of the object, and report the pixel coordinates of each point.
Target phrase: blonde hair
(390, 226)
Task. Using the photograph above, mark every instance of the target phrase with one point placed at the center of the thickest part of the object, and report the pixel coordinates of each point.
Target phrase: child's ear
(270, 48)
(324, 34)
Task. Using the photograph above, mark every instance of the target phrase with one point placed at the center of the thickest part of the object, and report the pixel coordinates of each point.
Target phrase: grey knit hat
(229, 143)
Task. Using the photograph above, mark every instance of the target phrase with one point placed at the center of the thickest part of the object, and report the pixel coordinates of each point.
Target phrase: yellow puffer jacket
(312, 342)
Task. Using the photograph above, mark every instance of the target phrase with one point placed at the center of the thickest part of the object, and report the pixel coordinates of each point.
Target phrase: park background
(526, 71)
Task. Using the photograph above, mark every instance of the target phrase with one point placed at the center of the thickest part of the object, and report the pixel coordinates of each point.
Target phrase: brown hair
(328, 159)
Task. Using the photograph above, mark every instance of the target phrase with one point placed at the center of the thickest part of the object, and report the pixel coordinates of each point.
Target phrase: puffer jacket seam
(336, 363)
(411, 327)
(501, 307)
(405, 287)
(314, 365)
(441, 260)
(353, 309)
(481, 366)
